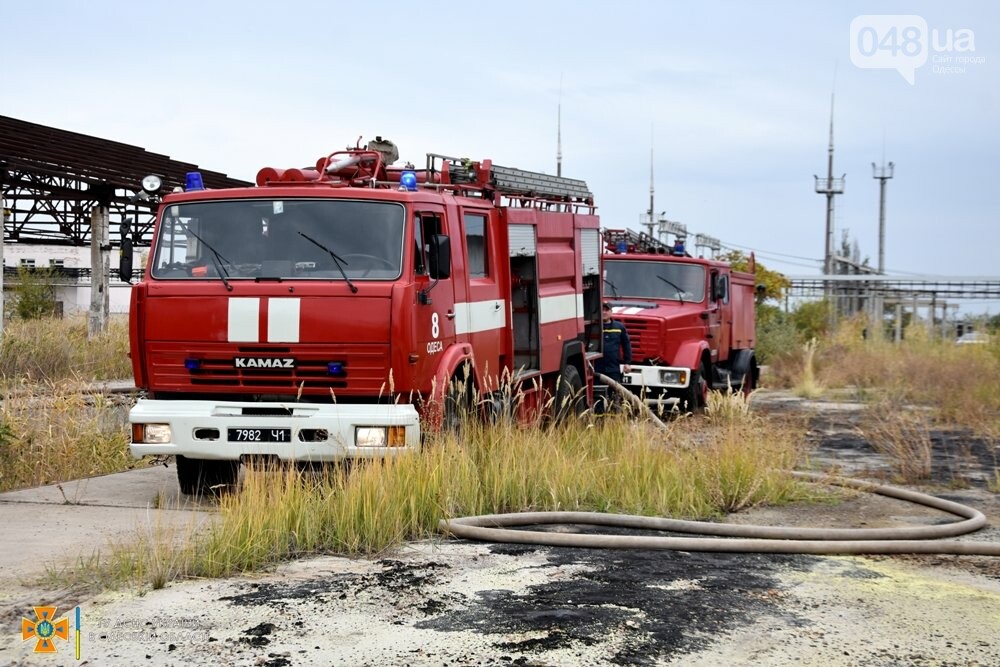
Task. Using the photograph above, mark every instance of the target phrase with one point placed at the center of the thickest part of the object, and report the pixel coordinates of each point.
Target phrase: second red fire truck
(691, 320)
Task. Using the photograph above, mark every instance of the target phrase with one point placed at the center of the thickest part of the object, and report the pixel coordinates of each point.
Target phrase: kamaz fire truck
(324, 313)
(691, 321)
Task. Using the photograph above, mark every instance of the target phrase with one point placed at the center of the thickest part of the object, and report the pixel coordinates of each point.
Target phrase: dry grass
(807, 386)
(961, 383)
(903, 436)
(49, 430)
(52, 350)
(698, 469)
(52, 433)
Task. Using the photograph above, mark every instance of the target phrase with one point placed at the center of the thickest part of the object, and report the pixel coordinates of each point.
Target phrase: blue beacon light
(408, 181)
(192, 181)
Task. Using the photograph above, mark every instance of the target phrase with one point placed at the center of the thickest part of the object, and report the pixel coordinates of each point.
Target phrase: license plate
(260, 434)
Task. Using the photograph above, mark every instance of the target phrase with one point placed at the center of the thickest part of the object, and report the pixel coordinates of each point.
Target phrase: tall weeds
(52, 433)
(54, 350)
(903, 436)
(960, 383)
(698, 469)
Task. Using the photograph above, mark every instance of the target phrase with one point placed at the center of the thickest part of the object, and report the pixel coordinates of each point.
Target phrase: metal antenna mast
(559, 131)
(651, 220)
(830, 187)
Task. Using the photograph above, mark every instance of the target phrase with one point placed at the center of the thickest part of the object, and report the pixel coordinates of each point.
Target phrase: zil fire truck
(324, 313)
(690, 320)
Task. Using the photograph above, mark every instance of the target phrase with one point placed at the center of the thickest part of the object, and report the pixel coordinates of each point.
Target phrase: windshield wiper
(674, 285)
(337, 259)
(217, 258)
(615, 289)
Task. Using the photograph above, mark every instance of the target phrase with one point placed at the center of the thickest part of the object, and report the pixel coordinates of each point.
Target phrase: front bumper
(318, 432)
(657, 385)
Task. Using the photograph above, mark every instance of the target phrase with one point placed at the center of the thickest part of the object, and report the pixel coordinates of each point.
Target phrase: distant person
(617, 348)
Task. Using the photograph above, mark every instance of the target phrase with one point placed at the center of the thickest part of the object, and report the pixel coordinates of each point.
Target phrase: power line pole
(830, 187)
(883, 174)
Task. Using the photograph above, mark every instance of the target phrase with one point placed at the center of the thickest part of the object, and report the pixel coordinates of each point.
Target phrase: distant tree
(812, 318)
(850, 250)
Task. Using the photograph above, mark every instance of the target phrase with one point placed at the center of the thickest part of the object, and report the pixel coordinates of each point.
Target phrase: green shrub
(34, 294)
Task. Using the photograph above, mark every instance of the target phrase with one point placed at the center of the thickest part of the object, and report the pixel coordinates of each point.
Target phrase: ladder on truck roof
(624, 241)
(508, 181)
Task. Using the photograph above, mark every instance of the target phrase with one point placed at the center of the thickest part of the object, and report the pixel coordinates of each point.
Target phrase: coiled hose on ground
(744, 538)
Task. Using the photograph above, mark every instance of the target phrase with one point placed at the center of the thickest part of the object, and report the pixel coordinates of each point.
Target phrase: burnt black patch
(395, 578)
(959, 458)
(650, 604)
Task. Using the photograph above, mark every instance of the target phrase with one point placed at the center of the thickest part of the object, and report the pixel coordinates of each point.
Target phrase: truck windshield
(266, 239)
(639, 279)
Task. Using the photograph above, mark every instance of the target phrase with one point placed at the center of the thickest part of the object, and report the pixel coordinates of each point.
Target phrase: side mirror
(440, 256)
(125, 261)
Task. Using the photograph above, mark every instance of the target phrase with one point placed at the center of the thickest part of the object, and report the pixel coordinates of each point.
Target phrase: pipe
(632, 399)
(747, 538)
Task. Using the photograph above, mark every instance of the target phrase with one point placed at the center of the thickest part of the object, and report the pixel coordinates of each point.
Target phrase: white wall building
(73, 294)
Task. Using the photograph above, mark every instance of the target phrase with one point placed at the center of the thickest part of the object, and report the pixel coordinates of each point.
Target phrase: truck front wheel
(696, 395)
(197, 477)
(570, 399)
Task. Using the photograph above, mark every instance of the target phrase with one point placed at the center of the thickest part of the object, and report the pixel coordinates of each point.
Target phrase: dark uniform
(617, 351)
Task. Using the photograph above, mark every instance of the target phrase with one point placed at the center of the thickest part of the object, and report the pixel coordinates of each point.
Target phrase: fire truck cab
(691, 321)
(324, 313)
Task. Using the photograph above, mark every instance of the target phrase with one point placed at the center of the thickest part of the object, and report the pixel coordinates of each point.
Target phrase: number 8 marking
(435, 327)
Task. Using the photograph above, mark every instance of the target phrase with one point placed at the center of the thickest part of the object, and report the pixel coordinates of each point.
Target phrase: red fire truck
(324, 313)
(690, 320)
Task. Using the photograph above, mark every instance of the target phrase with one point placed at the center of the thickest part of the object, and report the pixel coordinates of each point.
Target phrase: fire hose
(742, 538)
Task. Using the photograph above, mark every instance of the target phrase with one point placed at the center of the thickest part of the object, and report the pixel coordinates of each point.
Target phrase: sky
(733, 99)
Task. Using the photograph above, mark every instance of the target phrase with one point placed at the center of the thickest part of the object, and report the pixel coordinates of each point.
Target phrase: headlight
(370, 436)
(673, 377)
(152, 184)
(153, 434)
(380, 436)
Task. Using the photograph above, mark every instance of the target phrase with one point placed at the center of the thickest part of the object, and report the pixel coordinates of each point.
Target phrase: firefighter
(617, 349)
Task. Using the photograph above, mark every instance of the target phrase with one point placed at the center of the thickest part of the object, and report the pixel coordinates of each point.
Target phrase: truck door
(435, 328)
(726, 318)
(715, 314)
(482, 318)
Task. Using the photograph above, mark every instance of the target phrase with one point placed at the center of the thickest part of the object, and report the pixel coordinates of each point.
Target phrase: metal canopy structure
(53, 179)
(851, 286)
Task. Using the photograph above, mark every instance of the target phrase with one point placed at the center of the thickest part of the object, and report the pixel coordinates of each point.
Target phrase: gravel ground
(448, 602)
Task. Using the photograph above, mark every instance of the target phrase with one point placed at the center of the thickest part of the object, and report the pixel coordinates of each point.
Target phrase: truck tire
(457, 406)
(696, 394)
(198, 477)
(570, 400)
(749, 382)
